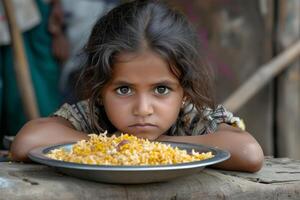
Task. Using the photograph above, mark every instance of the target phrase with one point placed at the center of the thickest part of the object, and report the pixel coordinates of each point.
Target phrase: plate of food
(126, 159)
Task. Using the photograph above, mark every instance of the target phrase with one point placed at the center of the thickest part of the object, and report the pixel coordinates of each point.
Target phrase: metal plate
(130, 174)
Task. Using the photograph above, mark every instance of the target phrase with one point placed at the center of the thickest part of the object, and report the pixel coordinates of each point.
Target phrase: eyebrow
(161, 82)
(119, 82)
(166, 82)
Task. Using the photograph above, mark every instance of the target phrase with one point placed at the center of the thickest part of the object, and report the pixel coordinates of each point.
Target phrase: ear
(184, 101)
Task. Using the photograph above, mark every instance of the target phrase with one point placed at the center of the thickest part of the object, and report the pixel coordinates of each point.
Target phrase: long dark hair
(133, 26)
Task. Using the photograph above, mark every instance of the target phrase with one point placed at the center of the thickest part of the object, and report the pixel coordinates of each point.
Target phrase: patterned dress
(192, 122)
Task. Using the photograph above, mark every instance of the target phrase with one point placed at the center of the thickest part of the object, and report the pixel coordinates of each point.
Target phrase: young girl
(143, 76)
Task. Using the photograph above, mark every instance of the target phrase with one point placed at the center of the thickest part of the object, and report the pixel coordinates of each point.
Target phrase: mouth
(141, 127)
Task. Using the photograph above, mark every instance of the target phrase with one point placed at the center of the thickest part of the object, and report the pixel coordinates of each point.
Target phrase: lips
(141, 127)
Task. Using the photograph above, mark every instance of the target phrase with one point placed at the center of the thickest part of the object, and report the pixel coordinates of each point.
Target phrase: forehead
(144, 66)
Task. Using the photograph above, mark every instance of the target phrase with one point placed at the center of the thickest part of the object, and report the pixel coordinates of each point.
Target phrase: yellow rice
(124, 150)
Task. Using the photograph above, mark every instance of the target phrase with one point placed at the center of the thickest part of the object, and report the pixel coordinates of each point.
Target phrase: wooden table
(279, 179)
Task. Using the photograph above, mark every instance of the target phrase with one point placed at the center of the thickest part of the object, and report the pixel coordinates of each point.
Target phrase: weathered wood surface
(279, 170)
(279, 179)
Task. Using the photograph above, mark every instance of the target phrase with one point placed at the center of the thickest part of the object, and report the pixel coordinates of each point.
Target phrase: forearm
(42, 132)
(246, 153)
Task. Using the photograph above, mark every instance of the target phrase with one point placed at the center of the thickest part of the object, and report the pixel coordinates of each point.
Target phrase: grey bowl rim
(220, 155)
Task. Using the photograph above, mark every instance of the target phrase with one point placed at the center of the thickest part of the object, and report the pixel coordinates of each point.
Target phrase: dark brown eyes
(162, 90)
(126, 90)
(123, 90)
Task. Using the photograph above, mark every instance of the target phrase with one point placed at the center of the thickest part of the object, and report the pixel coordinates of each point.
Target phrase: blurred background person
(42, 35)
(79, 18)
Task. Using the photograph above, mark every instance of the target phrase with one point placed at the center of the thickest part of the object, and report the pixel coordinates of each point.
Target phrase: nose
(143, 106)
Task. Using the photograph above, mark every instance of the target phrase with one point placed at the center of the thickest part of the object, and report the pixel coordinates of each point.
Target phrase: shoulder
(77, 114)
(195, 122)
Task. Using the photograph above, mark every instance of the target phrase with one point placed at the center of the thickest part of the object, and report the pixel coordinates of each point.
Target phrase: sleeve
(220, 115)
(193, 122)
(76, 114)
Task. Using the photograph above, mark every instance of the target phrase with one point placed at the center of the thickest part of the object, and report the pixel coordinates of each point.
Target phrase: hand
(56, 18)
(60, 47)
(60, 44)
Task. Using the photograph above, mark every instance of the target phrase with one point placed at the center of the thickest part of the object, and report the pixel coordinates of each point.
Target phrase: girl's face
(144, 97)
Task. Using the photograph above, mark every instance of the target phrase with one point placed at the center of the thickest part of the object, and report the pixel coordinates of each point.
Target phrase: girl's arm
(43, 131)
(246, 153)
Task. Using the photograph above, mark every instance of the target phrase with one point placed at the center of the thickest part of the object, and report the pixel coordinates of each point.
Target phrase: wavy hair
(140, 24)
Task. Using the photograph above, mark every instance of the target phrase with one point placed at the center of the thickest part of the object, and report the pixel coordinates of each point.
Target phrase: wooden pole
(261, 77)
(20, 64)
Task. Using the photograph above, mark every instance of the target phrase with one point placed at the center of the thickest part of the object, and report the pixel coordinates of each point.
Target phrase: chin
(146, 136)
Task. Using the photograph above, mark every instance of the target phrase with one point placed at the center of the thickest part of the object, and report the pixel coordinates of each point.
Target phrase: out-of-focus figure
(79, 18)
(32, 17)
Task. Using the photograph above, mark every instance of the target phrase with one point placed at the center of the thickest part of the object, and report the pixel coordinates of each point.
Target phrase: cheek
(116, 111)
(176, 109)
(169, 111)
